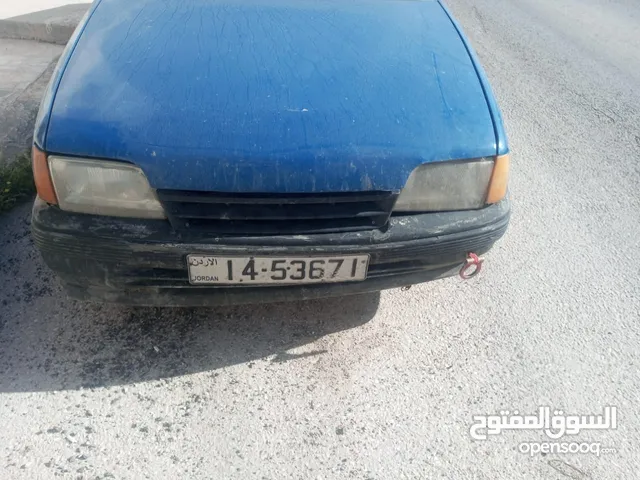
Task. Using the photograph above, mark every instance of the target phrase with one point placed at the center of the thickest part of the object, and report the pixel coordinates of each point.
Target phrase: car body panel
(501, 135)
(278, 96)
(144, 262)
(46, 104)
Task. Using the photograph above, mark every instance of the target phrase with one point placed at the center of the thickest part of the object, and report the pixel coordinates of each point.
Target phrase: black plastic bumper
(143, 262)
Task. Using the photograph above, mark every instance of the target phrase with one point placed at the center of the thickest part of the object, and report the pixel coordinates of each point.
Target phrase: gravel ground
(377, 386)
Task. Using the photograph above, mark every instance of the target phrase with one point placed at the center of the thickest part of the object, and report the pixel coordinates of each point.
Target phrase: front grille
(267, 214)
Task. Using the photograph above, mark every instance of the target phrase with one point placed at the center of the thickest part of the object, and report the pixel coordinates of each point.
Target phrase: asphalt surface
(377, 386)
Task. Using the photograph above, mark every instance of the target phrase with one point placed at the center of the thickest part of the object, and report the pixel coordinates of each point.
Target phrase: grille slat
(265, 214)
(251, 198)
(271, 211)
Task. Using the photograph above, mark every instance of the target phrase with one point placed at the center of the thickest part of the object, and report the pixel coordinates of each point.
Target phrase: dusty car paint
(274, 129)
(224, 96)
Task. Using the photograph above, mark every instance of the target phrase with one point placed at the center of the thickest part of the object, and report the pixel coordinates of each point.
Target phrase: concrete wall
(13, 8)
(30, 45)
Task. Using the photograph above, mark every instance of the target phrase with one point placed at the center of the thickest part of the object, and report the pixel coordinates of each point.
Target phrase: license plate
(214, 270)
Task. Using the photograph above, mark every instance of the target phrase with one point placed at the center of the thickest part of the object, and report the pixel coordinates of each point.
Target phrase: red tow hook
(472, 266)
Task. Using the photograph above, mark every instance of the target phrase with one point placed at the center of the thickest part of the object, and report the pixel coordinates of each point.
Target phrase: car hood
(271, 96)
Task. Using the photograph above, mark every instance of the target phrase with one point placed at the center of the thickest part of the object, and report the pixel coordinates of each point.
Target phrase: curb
(55, 25)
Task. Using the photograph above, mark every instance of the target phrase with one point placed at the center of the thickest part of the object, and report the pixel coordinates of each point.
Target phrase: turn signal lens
(499, 179)
(42, 176)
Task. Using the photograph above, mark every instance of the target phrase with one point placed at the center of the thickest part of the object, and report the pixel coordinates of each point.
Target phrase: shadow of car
(49, 342)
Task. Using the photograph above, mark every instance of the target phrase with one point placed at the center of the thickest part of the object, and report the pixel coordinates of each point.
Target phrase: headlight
(446, 186)
(103, 188)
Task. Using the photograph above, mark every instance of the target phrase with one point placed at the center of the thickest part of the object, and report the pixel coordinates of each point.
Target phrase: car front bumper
(143, 262)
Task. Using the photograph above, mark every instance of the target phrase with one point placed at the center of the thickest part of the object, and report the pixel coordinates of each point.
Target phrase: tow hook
(472, 266)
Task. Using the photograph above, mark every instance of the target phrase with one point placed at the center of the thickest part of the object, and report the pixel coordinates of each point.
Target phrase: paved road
(377, 387)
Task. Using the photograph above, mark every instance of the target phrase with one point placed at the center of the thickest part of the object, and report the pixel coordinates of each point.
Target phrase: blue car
(202, 152)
